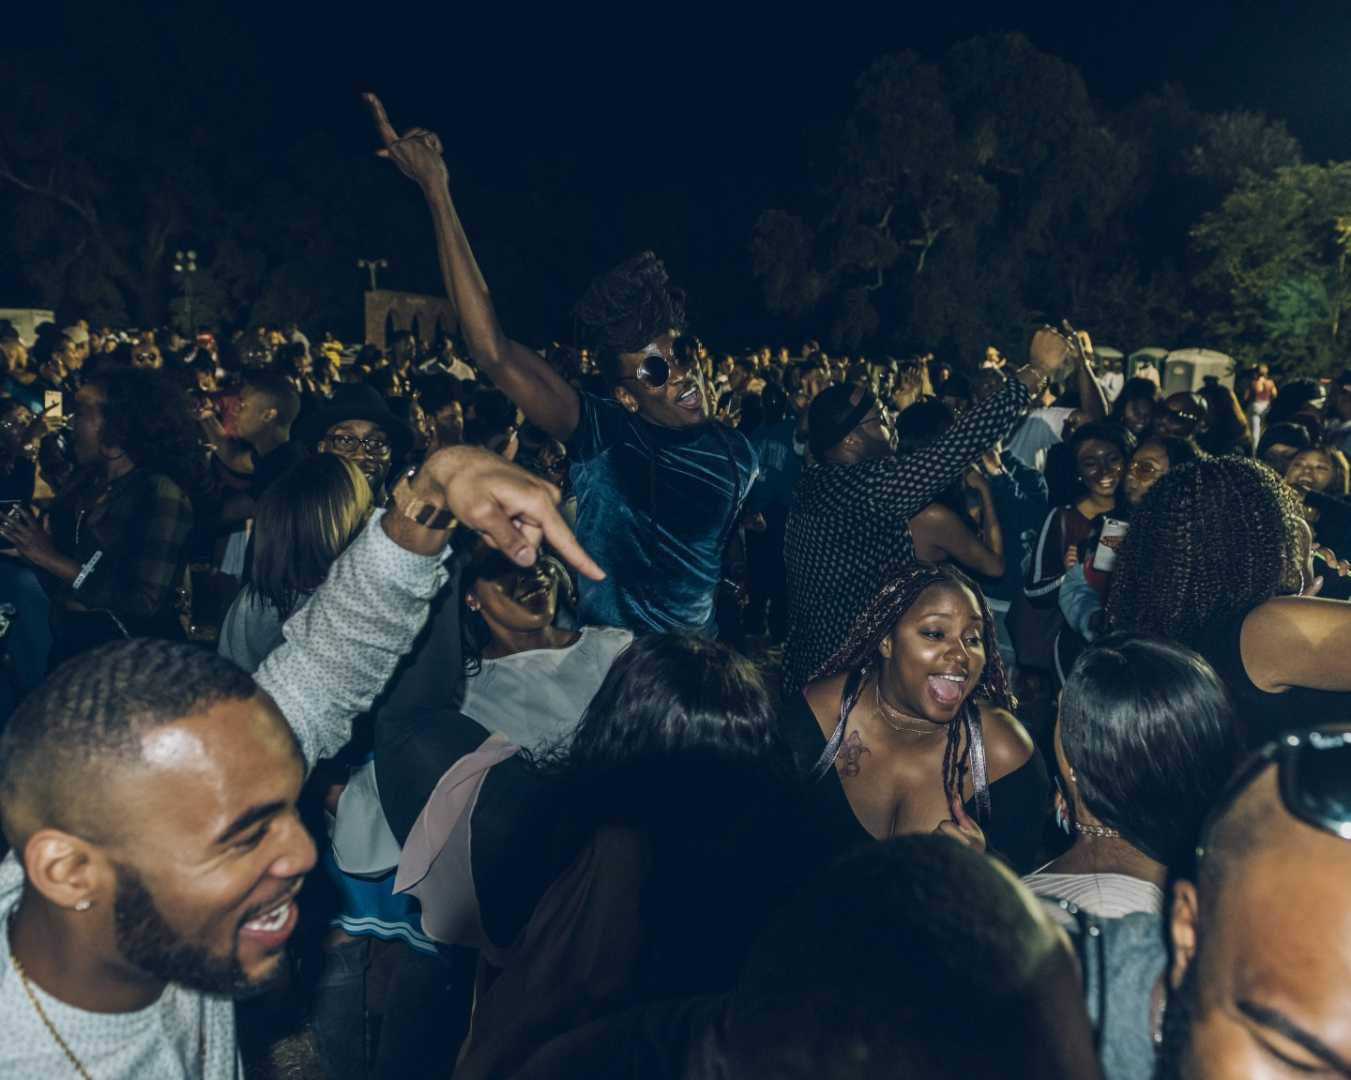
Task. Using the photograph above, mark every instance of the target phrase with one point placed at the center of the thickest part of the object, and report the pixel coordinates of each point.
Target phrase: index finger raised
(387, 133)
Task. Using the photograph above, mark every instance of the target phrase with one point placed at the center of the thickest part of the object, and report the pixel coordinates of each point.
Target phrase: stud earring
(83, 905)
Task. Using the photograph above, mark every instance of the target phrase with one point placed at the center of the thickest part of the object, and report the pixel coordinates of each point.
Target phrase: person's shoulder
(610, 639)
(935, 514)
(162, 486)
(822, 697)
(1008, 746)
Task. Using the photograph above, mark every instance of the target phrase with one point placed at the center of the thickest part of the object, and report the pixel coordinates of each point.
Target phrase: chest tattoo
(850, 759)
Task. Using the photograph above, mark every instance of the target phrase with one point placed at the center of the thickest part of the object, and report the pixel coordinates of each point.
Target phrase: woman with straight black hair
(1145, 742)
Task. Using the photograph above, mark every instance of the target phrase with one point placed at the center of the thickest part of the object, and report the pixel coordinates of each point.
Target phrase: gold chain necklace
(37, 1005)
(46, 1021)
(888, 711)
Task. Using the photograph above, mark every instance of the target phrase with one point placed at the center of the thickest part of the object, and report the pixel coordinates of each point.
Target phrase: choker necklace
(887, 711)
(1100, 832)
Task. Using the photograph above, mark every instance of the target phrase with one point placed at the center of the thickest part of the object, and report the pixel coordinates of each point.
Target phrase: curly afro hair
(626, 308)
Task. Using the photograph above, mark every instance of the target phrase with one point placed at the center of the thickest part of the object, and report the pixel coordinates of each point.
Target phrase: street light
(185, 265)
(372, 265)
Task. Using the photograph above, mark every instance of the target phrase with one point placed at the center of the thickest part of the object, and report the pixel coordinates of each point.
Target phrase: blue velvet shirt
(655, 507)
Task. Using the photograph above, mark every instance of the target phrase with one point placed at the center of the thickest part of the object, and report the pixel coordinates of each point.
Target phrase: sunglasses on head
(1313, 773)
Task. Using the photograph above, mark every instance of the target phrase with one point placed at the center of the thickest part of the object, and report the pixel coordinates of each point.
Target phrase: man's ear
(68, 871)
(1182, 927)
(624, 396)
(269, 415)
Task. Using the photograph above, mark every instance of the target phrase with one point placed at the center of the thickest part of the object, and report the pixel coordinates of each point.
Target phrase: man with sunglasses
(659, 487)
(1261, 971)
(1181, 416)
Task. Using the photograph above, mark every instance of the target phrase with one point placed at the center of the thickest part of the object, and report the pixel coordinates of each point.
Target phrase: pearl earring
(83, 905)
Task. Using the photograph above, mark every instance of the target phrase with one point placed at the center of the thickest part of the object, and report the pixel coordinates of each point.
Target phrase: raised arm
(542, 394)
(1092, 400)
(929, 470)
(1298, 641)
(344, 644)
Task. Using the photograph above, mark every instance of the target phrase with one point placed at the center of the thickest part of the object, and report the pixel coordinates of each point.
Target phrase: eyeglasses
(375, 445)
(1313, 770)
(656, 369)
(1184, 411)
(1144, 469)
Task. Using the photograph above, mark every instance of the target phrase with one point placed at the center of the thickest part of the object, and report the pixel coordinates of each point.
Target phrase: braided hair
(860, 652)
(627, 307)
(1212, 540)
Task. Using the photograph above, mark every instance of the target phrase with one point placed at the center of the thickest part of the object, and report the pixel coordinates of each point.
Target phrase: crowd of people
(629, 708)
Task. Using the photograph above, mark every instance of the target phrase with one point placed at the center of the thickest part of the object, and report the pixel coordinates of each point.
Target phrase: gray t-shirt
(163, 1041)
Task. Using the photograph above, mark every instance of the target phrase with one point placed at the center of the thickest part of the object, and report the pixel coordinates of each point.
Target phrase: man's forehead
(1280, 933)
(206, 767)
(355, 427)
(662, 343)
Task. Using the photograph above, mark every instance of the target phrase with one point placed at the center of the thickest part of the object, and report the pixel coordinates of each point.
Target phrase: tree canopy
(973, 194)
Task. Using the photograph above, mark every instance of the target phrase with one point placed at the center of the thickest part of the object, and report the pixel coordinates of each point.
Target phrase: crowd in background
(915, 718)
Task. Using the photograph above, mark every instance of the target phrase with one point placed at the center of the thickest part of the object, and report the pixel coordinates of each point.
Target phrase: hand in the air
(417, 152)
(1049, 351)
(515, 511)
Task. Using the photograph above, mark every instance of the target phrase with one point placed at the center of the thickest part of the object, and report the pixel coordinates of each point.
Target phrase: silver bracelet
(87, 569)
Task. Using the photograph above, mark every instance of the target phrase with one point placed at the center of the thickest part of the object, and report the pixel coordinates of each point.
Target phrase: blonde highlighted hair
(305, 520)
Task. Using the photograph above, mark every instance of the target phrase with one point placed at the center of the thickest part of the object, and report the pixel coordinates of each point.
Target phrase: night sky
(671, 125)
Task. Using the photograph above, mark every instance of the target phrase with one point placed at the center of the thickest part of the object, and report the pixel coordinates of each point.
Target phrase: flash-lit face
(937, 652)
(1310, 470)
(1268, 993)
(515, 599)
(365, 444)
(1148, 467)
(1100, 466)
(681, 402)
(211, 852)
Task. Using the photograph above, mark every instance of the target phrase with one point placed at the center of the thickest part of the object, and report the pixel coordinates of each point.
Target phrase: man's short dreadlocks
(626, 308)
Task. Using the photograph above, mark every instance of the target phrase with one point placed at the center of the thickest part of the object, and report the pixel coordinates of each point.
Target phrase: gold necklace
(37, 1005)
(42, 1013)
(887, 711)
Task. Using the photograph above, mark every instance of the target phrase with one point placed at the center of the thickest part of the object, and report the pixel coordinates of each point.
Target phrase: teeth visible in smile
(952, 678)
(272, 920)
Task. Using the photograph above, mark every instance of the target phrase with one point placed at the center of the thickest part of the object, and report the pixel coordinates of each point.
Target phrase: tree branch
(84, 211)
